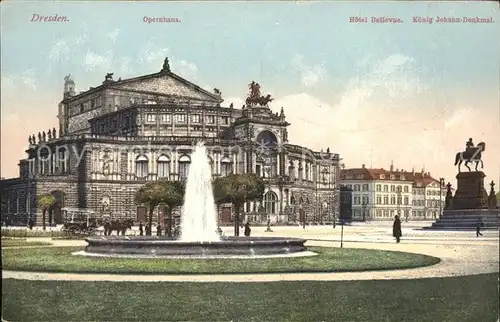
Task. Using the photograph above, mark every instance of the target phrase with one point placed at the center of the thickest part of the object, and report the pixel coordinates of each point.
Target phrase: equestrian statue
(471, 154)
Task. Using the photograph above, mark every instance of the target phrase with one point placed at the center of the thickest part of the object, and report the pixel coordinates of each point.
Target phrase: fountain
(199, 218)
(199, 237)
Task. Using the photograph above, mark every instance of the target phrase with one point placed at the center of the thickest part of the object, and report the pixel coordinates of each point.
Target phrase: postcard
(250, 161)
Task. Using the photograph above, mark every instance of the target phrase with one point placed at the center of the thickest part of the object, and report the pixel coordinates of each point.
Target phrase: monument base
(470, 193)
(467, 219)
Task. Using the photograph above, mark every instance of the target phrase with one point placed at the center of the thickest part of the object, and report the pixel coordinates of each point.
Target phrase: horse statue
(472, 154)
(119, 226)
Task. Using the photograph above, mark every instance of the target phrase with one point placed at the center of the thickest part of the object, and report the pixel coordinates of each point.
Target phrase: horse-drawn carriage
(79, 221)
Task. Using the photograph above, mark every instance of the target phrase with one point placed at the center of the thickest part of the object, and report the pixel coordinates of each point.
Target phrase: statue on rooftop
(166, 65)
(39, 137)
(53, 132)
(109, 77)
(254, 94)
(263, 101)
(44, 136)
(49, 134)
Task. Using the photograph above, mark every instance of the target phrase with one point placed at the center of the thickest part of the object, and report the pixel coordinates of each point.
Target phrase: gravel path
(459, 257)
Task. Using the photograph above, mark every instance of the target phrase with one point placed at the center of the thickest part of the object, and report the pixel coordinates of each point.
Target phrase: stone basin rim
(156, 240)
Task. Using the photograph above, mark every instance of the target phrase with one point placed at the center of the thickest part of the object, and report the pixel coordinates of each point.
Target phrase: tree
(238, 189)
(220, 191)
(151, 194)
(173, 196)
(170, 193)
(45, 202)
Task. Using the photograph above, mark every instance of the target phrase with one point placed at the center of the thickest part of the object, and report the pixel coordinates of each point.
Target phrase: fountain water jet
(198, 216)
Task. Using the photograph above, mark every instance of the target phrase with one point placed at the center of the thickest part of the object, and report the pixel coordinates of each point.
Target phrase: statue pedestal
(470, 192)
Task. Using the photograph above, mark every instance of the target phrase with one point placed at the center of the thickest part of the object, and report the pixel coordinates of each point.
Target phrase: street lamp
(302, 215)
(364, 210)
(441, 187)
(267, 170)
(398, 202)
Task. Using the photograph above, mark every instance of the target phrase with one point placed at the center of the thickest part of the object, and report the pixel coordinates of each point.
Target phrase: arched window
(291, 170)
(184, 162)
(271, 202)
(106, 164)
(141, 166)
(163, 166)
(61, 158)
(226, 166)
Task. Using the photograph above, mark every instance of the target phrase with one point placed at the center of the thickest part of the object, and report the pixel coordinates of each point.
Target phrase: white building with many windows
(379, 194)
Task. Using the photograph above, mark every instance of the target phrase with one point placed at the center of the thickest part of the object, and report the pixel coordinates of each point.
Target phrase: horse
(470, 155)
(117, 225)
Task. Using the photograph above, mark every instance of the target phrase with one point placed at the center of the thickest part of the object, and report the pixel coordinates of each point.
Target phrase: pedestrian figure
(479, 224)
(396, 229)
(141, 229)
(31, 224)
(158, 230)
(247, 229)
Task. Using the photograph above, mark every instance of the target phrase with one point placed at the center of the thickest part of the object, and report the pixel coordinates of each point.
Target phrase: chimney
(363, 166)
(391, 168)
(413, 171)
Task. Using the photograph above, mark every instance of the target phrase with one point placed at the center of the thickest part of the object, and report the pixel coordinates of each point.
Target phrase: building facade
(379, 194)
(115, 137)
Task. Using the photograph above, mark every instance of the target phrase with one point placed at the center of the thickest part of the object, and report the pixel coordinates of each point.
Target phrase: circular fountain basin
(154, 246)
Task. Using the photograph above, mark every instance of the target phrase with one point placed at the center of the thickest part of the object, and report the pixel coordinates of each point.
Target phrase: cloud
(310, 75)
(93, 61)
(184, 68)
(458, 118)
(126, 65)
(114, 35)
(10, 117)
(24, 80)
(151, 53)
(62, 48)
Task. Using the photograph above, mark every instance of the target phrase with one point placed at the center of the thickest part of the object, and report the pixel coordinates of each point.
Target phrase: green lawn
(22, 242)
(26, 233)
(471, 298)
(60, 259)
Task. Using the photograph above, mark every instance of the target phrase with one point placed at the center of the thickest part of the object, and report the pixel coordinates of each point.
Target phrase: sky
(408, 93)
